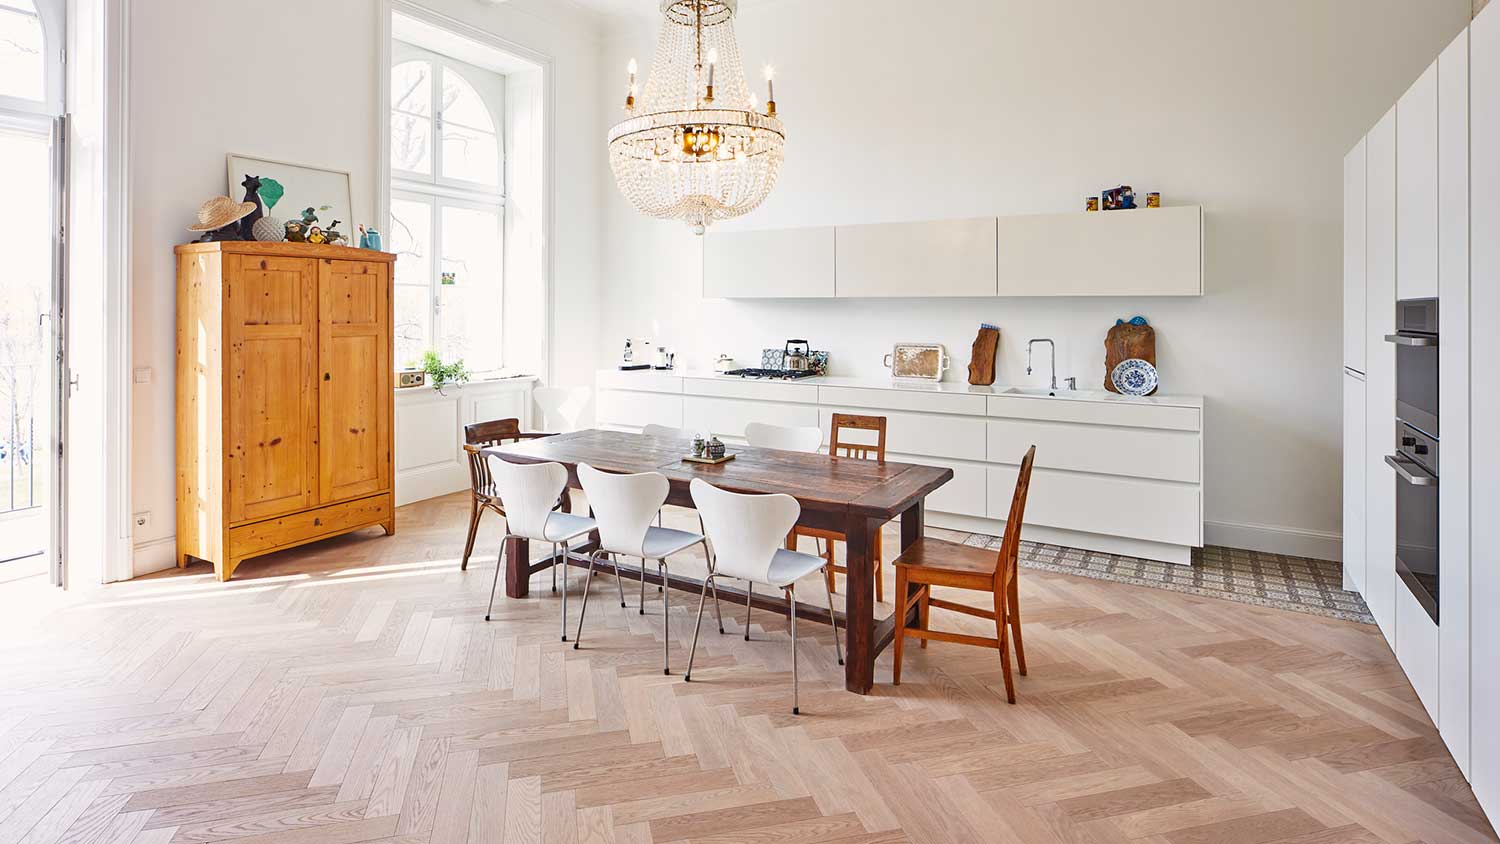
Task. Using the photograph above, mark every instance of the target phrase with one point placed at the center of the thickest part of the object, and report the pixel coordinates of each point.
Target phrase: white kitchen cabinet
(1380, 374)
(936, 258)
(1145, 252)
(1355, 456)
(633, 410)
(1484, 407)
(770, 264)
(1416, 188)
(1453, 396)
(728, 417)
(1116, 506)
(1417, 649)
(928, 434)
(1354, 258)
(1131, 452)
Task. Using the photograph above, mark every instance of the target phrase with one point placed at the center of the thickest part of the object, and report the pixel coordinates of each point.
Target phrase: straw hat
(219, 212)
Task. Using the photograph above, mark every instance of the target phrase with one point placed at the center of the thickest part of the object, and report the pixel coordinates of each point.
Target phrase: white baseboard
(1276, 539)
(154, 555)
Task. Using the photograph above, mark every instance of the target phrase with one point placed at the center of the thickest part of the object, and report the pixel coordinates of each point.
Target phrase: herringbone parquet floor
(352, 692)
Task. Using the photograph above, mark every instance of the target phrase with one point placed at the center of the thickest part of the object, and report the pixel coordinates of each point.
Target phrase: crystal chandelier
(694, 147)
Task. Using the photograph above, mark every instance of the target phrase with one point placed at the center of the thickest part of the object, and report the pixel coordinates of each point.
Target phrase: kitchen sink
(1037, 391)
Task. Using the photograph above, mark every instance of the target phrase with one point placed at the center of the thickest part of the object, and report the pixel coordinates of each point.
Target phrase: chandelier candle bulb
(630, 70)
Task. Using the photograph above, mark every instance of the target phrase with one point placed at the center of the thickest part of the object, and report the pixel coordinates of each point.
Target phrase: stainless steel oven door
(1417, 530)
(1417, 382)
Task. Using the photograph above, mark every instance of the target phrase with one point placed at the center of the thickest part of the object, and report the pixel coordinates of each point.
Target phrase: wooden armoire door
(355, 382)
(271, 445)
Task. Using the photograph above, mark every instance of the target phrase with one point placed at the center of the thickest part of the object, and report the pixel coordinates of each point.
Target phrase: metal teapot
(797, 356)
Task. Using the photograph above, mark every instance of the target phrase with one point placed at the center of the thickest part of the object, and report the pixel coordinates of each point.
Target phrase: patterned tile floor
(1300, 584)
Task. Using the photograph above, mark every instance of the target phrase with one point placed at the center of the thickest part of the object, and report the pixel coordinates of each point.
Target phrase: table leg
(859, 604)
(517, 568)
(913, 524)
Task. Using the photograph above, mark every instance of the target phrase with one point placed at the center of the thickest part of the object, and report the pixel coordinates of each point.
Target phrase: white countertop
(943, 387)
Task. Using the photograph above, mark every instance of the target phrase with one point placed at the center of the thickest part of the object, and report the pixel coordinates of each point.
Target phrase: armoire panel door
(271, 442)
(354, 350)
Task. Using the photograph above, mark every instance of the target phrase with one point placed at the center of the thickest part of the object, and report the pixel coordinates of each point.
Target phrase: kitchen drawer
(643, 381)
(960, 437)
(878, 400)
(964, 495)
(743, 388)
(631, 409)
(1131, 452)
(1123, 413)
(728, 417)
(297, 528)
(1158, 511)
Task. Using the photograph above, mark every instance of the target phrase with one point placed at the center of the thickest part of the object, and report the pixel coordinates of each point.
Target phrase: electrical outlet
(142, 520)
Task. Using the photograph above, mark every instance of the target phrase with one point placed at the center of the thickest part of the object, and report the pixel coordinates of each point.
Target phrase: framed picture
(324, 191)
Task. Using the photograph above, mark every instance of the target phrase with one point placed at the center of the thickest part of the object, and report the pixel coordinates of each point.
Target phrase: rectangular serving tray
(709, 461)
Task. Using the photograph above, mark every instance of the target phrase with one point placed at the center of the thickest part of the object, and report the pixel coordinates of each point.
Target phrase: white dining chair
(624, 506)
(745, 533)
(528, 492)
(785, 438)
(665, 432)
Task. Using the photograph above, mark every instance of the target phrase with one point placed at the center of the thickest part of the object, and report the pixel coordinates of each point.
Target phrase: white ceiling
(630, 9)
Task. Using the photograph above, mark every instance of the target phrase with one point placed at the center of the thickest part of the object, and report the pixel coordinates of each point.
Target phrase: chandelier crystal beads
(694, 147)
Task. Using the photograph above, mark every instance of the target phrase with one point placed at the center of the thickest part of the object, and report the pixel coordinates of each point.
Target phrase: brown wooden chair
(934, 562)
(861, 451)
(482, 495)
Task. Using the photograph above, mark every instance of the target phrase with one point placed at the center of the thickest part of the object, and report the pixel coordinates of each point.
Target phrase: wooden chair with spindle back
(839, 447)
(477, 437)
(933, 562)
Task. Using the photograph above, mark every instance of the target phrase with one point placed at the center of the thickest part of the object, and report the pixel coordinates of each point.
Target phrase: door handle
(1410, 340)
(1418, 478)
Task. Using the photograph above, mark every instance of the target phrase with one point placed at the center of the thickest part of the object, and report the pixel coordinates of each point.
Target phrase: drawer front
(639, 381)
(1154, 510)
(1131, 452)
(965, 495)
(634, 410)
(260, 537)
(728, 417)
(1171, 417)
(921, 402)
(739, 388)
(958, 437)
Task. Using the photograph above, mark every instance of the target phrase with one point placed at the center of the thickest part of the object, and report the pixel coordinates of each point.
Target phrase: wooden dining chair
(933, 562)
(482, 495)
(838, 447)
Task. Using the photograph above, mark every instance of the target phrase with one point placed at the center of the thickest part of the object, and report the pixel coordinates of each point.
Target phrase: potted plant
(440, 374)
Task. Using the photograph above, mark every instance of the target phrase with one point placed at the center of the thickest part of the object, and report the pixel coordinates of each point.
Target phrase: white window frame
(438, 191)
(50, 13)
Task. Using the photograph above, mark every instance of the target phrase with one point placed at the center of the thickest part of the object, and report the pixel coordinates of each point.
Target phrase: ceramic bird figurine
(309, 216)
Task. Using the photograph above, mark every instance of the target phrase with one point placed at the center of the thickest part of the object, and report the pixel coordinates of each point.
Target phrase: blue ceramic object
(1134, 377)
(1135, 320)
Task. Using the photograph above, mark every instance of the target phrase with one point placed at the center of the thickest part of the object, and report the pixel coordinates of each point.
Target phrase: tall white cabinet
(1419, 222)
(1484, 407)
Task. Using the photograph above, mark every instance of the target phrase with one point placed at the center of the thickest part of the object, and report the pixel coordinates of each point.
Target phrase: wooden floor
(352, 692)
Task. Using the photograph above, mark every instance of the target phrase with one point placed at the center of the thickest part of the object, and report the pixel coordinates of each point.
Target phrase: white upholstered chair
(745, 533)
(528, 493)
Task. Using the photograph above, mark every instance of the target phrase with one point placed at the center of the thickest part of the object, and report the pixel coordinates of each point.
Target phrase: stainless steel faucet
(1053, 346)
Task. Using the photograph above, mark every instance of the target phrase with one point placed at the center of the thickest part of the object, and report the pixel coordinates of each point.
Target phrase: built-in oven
(1415, 461)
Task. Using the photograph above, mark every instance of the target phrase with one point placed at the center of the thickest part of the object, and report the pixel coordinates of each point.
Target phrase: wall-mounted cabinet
(772, 264)
(937, 258)
(1417, 189)
(1145, 252)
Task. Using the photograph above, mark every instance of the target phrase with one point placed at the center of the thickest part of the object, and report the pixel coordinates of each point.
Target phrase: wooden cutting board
(1125, 341)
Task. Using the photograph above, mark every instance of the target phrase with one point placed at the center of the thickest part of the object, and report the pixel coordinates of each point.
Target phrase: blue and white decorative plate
(1134, 377)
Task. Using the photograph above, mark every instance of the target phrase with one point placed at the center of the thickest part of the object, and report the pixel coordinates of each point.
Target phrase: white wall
(300, 84)
(1013, 106)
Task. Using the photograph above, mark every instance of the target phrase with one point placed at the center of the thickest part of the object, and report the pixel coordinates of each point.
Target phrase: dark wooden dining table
(849, 495)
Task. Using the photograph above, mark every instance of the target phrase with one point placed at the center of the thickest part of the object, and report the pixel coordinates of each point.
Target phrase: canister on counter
(1153, 199)
(1091, 204)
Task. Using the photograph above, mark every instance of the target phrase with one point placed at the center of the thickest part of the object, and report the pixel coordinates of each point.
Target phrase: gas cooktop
(784, 374)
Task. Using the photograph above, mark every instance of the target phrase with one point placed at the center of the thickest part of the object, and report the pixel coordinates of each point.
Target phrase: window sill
(474, 383)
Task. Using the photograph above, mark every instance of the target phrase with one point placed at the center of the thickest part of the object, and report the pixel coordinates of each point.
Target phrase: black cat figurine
(252, 194)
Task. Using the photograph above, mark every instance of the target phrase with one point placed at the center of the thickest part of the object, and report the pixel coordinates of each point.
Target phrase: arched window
(31, 38)
(447, 206)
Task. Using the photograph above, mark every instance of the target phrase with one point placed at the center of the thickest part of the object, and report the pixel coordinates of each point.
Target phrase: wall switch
(141, 521)
(143, 375)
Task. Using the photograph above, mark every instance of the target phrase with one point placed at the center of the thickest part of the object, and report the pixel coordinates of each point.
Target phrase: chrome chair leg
(749, 592)
(589, 581)
(614, 560)
(565, 585)
(666, 619)
(499, 564)
(837, 650)
(692, 652)
(791, 598)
